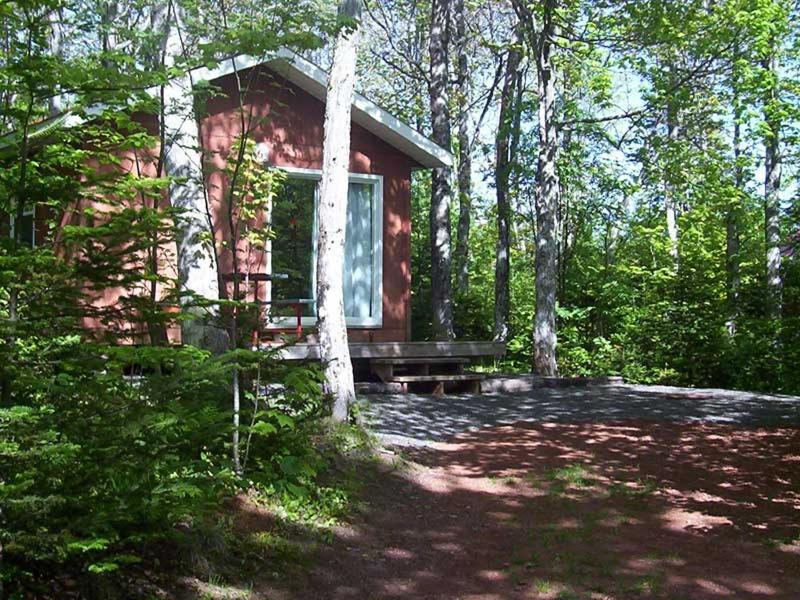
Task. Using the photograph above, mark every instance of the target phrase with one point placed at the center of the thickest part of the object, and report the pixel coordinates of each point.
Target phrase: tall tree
(441, 191)
(541, 31)
(504, 142)
(547, 199)
(332, 214)
(464, 148)
(670, 192)
(772, 181)
(733, 214)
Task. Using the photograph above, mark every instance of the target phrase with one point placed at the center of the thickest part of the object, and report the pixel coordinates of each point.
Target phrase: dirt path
(598, 492)
(626, 510)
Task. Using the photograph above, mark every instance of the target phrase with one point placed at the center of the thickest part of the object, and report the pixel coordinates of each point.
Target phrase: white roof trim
(366, 113)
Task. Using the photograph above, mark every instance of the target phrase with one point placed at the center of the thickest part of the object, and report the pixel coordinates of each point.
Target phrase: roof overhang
(310, 78)
(313, 80)
(44, 128)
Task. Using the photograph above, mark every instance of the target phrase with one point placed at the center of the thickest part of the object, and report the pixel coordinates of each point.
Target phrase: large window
(293, 249)
(293, 226)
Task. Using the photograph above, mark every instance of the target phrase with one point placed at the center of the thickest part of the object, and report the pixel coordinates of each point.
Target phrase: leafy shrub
(99, 459)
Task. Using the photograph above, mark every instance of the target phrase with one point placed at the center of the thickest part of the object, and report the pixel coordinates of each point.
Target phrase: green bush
(99, 459)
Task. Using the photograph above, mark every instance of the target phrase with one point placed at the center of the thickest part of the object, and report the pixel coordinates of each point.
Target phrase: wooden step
(472, 382)
(445, 377)
(420, 361)
(310, 351)
(387, 369)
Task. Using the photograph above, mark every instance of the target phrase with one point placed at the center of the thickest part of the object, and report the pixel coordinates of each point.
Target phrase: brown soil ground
(603, 511)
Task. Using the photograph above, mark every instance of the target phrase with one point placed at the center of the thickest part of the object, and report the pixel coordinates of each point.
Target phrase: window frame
(375, 321)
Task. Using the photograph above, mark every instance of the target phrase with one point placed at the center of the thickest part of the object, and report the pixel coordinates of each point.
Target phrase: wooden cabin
(279, 104)
(282, 110)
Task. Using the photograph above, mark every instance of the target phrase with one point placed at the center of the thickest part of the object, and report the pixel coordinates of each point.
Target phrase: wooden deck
(386, 350)
(426, 367)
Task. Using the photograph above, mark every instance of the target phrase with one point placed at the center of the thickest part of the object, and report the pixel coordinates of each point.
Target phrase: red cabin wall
(140, 163)
(289, 121)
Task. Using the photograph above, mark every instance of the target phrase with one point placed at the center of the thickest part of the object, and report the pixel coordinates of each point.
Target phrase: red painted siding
(140, 163)
(289, 121)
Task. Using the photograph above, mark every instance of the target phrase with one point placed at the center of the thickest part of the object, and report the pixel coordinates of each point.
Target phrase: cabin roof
(310, 78)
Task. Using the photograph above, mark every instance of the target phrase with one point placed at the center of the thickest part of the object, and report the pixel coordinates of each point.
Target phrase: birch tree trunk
(197, 264)
(772, 186)
(505, 129)
(56, 41)
(547, 199)
(441, 301)
(464, 148)
(732, 224)
(332, 218)
(670, 201)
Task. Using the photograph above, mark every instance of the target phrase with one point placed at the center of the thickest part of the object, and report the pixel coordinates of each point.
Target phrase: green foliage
(253, 189)
(98, 460)
(624, 309)
(107, 448)
(629, 302)
(94, 462)
(421, 325)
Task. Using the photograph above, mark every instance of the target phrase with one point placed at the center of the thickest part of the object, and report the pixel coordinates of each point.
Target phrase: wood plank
(420, 361)
(445, 378)
(397, 350)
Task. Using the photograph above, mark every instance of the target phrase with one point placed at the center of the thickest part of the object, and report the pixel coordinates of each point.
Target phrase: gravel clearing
(418, 420)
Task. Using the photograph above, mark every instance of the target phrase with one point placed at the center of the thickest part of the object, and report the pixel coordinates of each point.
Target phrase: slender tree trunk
(732, 224)
(198, 273)
(503, 144)
(57, 50)
(772, 186)
(332, 219)
(670, 200)
(547, 199)
(197, 265)
(464, 151)
(441, 300)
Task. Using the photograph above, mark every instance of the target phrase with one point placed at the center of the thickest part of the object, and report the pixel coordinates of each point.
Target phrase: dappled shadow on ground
(571, 510)
(416, 419)
(748, 479)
